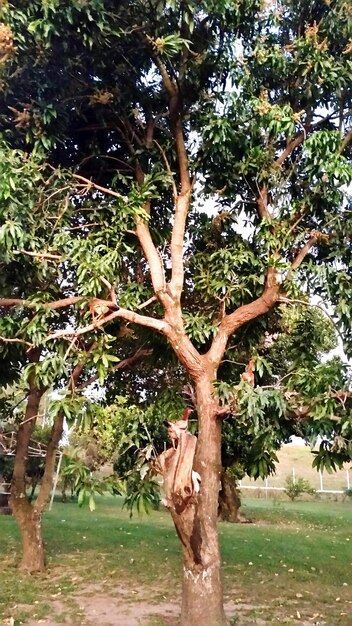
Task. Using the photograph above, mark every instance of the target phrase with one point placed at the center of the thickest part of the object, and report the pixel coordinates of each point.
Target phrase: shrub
(295, 487)
(348, 493)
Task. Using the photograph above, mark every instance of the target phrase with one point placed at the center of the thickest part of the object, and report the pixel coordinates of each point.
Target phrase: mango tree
(157, 108)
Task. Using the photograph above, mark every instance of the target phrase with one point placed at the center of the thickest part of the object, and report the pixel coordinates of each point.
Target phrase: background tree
(128, 439)
(35, 464)
(299, 343)
(32, 193)
(243, 104)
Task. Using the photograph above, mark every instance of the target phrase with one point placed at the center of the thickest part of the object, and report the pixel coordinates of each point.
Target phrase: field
(291, 566)
(300, 459)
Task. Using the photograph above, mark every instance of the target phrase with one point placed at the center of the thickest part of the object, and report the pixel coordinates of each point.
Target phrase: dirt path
(106, 604)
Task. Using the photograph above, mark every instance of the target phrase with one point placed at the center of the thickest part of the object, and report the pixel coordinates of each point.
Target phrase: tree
(243, 104)
(32, 193)
(299, 342)
(35, 464)
(129, 438)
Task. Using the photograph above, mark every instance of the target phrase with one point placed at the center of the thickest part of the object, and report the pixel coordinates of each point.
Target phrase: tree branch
(342, 394)
(182, 200)
(142, 232)
(177, 241)
(244, 314)
(224, 410)
(150, 251)
(15, 340)
(168, 168)
(160, 325)
(289, 149)
(40, 255)
(75, 374)
(147, 303)
(127, 362)
(153, 259)
(346, 140)
(300, 137)
(299, 258)
(90, 185)
(57, 304)
(113, 297)
(262, 202)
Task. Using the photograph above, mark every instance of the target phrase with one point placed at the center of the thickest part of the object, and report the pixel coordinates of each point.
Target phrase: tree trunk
(28, 516)
(46, 484)
(50, 462)
(30, 523)
(63, 491)
(28, 519)
(229, 500)
(196, 525)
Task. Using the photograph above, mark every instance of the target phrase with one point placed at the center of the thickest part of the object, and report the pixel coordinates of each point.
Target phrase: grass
(292, 566)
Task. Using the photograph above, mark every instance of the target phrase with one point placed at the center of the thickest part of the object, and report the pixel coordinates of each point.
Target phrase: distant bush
(296, 487)
(348, 493)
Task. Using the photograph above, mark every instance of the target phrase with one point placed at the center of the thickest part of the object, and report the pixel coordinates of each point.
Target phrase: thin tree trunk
(32, 491)
(50, 462)
(28, 516)
(28, 520)
(202, 595)
(63, 491)
(229, 500)
(52, 446)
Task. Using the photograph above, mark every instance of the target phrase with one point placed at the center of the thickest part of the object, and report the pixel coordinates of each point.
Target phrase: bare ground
(94, 605)
(104, 605)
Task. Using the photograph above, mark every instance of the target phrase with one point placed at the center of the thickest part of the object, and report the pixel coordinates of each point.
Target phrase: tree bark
(229, 500)
(196, 525)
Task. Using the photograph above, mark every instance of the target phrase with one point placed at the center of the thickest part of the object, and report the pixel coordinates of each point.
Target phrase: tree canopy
(264, 103)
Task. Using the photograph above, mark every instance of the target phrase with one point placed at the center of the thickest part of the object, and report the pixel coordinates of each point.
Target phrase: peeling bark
(176, 467)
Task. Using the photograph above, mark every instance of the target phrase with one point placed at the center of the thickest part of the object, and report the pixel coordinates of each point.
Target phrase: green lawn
(291, 566)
